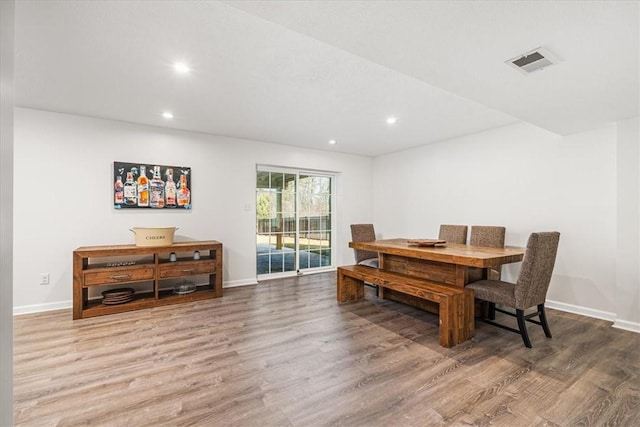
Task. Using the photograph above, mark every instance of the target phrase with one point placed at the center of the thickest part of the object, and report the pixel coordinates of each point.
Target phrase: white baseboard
(627, 326)
(39, 308)
(236, 283)
(576, 309)
(589, 312)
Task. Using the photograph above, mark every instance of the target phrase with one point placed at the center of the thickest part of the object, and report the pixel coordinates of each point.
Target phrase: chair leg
(523, 328)
(492, 311)
(543, 320)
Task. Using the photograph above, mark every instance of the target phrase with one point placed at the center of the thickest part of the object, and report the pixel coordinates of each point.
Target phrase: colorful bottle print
(143, 187)
(184, 195)
(156, 189)
(130, 193)
(118, 191)
(170, 190)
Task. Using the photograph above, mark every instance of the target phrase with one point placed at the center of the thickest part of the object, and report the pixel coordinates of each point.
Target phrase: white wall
(526, 179)
(7, 21)
(519, 176)
(628, 250)
(63, 195)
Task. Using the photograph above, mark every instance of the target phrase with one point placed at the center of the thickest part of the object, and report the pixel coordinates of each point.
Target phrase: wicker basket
(154, 236)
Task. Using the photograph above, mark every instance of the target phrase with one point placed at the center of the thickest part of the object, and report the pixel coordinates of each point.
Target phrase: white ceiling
(301, 73)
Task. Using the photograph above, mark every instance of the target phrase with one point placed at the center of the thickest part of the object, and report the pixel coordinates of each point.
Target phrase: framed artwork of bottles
(150, 186)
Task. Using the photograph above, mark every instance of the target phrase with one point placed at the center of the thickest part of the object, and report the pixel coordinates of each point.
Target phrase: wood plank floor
(284, 353)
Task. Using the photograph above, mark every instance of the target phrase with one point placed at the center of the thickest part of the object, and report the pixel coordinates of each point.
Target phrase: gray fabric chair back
(453, 233)
(492, 237)
(363, 233)
(537, 267)
(488, 236)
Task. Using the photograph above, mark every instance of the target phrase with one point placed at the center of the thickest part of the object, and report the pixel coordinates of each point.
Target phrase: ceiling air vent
(535, 60)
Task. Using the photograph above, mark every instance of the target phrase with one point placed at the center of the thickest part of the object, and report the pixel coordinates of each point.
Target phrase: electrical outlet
(44, 278)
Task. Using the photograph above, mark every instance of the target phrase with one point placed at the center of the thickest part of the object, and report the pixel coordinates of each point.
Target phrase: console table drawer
(187, 268)
(106, 277)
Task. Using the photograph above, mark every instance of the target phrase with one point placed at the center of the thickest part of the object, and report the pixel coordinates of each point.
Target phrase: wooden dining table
(450, 263)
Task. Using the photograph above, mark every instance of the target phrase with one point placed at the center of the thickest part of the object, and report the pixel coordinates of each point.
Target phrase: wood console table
(103, 267)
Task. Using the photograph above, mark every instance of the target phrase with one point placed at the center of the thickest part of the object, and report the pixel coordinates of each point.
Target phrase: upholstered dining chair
(364, 233)
(490, 236)
(529, 290)
(453, 233)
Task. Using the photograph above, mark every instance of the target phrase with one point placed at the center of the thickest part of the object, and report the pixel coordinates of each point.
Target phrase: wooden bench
(456, 303)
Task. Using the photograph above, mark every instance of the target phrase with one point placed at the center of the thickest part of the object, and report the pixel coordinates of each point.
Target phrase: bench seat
(456, 304)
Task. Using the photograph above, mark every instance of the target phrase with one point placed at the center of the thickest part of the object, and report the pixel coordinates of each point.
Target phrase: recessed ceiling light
(181, 68)
(167, 115)
(332, 141)
(392, 120)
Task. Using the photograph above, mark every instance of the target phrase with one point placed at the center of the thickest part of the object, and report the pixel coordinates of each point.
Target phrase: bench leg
(349, 289)
(381, 292)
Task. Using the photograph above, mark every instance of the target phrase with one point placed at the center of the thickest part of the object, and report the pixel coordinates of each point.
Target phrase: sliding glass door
(276, 239)
(294, 221)
(314, 221)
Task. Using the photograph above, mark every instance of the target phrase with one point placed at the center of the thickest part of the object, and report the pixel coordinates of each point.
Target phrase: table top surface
(189, 245)
(451, 253)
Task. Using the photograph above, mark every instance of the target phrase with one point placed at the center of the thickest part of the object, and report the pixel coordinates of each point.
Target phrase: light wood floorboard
(285, 353)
